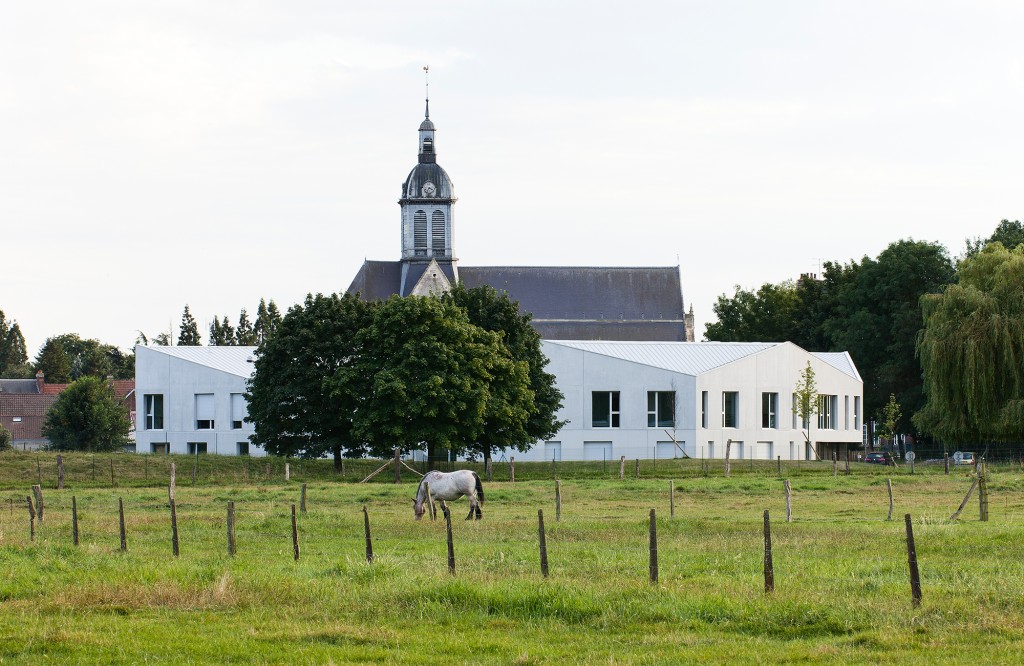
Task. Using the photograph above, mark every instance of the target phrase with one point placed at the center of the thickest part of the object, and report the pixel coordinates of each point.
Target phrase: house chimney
(40, 381)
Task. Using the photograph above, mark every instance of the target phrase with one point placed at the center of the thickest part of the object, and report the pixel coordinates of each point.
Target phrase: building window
(703, 409)
(856, 412)
(238, 411)
(769, 410)
(827, 407)
(196, 447)
(605, 409)
(243, 448)
(428, 146)
(661, 409)
(437, 239)
(160, 447)
(16, 419)
(846, 412)
(419, 233)
(204, 411)
(730, 409)
(154, 406)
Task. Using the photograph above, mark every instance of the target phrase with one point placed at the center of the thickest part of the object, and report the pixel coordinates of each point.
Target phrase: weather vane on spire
(426, 79)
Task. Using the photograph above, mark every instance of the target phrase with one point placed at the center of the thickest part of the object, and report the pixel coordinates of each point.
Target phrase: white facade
(633, 399)
(719, 392)
(191, 398)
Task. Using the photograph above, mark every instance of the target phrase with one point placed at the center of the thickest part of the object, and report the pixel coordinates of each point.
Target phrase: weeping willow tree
(972, 351)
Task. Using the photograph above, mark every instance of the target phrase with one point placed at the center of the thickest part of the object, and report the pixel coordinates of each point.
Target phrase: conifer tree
(245, 334)
(54, 361)
(13, 355)
(188, 334)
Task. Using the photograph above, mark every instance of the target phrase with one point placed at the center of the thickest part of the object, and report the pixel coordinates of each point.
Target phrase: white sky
(212, 153)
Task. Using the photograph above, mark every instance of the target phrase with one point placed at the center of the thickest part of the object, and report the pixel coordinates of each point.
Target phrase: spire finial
(426, 79)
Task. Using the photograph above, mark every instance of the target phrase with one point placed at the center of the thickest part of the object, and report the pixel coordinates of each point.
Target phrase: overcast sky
(212, 153)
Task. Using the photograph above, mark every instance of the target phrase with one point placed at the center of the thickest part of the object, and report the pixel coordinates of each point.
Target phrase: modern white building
(633, 399)
(190, 399)
(690, 399)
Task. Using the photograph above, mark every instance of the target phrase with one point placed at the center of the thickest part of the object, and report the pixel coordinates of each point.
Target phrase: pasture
(842, 590)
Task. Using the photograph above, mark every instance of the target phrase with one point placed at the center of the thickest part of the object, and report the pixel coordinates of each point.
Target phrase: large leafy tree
(431, 373)
(879, 316)
(83, 357)
(87, 417)
(972, 351)
(13, 355)
(188, 332)
(504, 428)
(303, 394)
(767, 315)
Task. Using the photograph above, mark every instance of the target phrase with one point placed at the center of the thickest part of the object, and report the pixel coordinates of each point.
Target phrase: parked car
(876, 459)
(964, 458)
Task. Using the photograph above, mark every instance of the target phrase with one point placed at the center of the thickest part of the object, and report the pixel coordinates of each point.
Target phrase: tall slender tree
(54, 362)
(13, 355)
(245, 333)
(188, 333)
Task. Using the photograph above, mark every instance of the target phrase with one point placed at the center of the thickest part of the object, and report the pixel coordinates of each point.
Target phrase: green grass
(842, 588)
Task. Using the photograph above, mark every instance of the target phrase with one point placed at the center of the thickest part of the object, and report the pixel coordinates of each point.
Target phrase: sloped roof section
(232, 360)
(841, 361)
(688, 358)
(377, 280)
(19, 386)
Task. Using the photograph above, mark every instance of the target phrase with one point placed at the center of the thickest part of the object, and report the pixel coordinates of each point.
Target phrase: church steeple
(427, 198)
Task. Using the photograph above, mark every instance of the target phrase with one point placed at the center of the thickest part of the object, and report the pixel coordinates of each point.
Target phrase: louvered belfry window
(419, 233)
(437, 232)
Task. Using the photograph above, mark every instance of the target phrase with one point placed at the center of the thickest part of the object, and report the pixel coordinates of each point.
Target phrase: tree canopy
(87, 416)
(303, 396)
(972, 351)
(67, 357)
(503, 427)
(188, 332)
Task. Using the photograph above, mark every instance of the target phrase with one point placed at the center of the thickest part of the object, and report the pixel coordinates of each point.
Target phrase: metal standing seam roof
(841, 361)
(688, 358)
(232, 360)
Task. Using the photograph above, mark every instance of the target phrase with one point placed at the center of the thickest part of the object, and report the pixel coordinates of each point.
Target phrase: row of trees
(460, 373)
(248, 332)
(888, 312)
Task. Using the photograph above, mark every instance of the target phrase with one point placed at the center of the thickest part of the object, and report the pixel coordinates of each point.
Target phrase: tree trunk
(336, 449)
(432, 451)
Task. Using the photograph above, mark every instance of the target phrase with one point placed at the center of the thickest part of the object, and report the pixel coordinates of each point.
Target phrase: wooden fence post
(398, 465)
(888, 484)
(171, 485)
(38, 492)
(654, 549)
(231, 528)
(945, 462)
(287, 472)
(39, 475)
(558, 501)
(778, 465)
(60, 472)
(543, 544)
(622, 467)
(174, 528)
(366, 529)
(789, 501)
(671, 499)
(835, 464)
(847, 462)
(769, 569)
(31, 519)
(966, 499)
(430, 501)
(512, 469)
(295, 534)
(120, 515)
(915, 577)
(728, 450)
(637, 471)
(451, 545)
(74, 520)
(302, 500)
(982, 494)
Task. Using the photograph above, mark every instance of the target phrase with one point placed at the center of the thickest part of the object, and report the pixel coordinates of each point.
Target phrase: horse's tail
(479, 487)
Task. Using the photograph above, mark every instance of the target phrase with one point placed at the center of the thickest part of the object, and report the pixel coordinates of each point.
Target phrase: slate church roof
(567, 302)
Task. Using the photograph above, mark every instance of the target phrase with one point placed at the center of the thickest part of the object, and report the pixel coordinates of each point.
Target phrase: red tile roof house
(24, 403)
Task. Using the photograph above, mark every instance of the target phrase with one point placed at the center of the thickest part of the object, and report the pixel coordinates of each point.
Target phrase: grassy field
(842, 588)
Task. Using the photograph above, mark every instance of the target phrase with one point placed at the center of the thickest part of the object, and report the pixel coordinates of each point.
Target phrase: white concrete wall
(179, 381)
(773, 371)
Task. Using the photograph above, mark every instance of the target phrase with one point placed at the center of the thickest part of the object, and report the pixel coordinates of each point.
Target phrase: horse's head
(417, 508)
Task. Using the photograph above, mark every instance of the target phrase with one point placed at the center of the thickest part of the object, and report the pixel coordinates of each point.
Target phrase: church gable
(433, 281)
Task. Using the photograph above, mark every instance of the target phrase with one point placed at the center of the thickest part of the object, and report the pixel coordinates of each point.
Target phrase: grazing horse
(451, 486)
